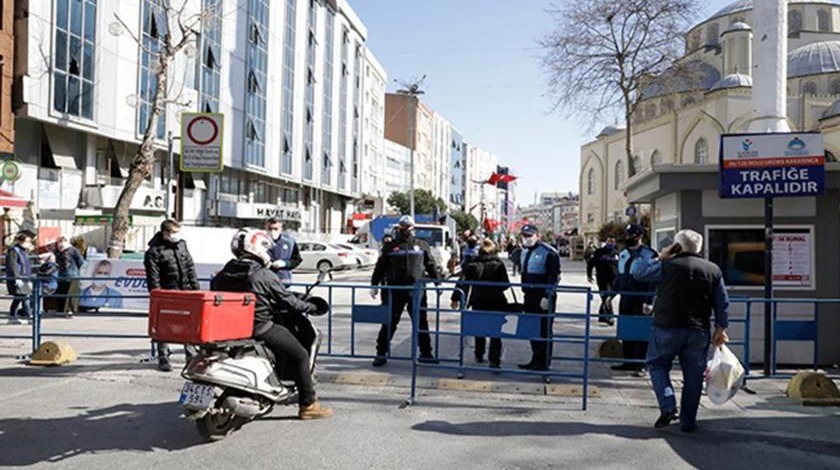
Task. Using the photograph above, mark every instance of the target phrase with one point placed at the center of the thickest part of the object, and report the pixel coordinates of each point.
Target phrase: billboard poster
(772, 165)
(115, 283)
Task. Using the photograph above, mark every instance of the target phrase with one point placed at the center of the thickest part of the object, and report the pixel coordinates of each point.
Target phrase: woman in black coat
(486, 267)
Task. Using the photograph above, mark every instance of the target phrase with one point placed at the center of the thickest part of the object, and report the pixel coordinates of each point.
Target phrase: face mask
(609, 246)
(275, 234)
(63, 246)
(26, 246)
(174, 237)
(97, 281)
(529, 241)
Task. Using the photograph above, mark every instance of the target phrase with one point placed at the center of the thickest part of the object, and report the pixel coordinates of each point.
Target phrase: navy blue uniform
(402, 264)
(540, 265)
(634, 304)
(286, 249)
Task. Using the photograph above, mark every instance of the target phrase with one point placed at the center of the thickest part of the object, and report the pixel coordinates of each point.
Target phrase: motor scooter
(231, 383)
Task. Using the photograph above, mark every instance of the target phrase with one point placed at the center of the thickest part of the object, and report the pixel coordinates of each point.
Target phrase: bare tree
(142, 165)
(603, 53)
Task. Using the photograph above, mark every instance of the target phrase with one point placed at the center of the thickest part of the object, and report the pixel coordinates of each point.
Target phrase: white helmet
(254, 243)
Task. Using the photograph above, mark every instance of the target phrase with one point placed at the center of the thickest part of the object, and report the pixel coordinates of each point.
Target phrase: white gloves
(544, 303)
(374, 292)
(278, 264)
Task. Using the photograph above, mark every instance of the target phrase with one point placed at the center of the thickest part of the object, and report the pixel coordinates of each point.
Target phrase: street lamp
(412, 90)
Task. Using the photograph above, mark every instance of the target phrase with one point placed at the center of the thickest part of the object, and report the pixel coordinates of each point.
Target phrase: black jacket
(403, 263)
(484, 268)
(604, 261)
(272, 297)
(169, 265)
(685, 296)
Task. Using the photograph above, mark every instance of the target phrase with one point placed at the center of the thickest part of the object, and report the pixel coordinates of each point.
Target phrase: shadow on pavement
(124, 427)
(69, 370)
(738, 443)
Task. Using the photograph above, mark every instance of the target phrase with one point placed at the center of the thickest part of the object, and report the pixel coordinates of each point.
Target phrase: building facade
(373, 137)
(287, 75)
(397, 171)
(457, 166)
(481, 200)
(7, 61)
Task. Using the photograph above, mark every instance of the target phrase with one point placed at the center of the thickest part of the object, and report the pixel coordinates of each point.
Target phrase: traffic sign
(201, 142)
(772, 165)
(630, 211)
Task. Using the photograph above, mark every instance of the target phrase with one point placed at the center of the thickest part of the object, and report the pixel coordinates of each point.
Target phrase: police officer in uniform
(633, 304)
(540, 265)
(604, 261)
(402, 263)
(285, 255)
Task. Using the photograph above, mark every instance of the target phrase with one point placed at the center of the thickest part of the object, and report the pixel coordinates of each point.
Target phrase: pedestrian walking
(688, 289)
(170, 266)
(516, 258)
(70, 262)
(604, 262)
(18, 274)
(405, 261)
(469, 252)
(285, 256)
(540, 265)
(636, 298)
(486, 267)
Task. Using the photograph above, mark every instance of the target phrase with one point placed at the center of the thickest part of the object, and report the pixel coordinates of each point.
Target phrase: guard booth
(806, 255)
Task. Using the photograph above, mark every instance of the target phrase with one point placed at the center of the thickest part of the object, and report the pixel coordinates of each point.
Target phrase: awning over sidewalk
(8, 199)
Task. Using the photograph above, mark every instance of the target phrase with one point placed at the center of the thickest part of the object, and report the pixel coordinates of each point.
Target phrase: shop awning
(8, 199)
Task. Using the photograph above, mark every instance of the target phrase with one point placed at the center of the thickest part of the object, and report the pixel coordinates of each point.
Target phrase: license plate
(197, 395)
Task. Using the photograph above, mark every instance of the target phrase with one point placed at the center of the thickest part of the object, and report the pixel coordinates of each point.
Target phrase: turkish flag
(507, 178)
(494, 178)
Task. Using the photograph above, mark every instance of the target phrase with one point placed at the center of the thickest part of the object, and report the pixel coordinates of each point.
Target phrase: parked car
(364, 256)
(322, 256)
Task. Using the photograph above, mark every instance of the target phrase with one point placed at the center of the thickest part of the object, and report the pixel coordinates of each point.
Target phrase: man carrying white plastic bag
(689, 288)
(724, 375)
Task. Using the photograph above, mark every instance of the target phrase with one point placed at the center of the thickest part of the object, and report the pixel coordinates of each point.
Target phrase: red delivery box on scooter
(200, 317)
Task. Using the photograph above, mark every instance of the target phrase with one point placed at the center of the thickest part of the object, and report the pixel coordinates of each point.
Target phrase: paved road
(107, 410)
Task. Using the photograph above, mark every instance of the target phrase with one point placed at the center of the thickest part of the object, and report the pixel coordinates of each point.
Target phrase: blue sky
(484, 75)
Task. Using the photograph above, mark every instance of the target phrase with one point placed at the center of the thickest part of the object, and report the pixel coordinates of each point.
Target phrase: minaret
(769, 93)
(737, 49)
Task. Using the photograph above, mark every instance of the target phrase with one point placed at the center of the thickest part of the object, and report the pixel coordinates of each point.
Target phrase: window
(650, 111)
(794, 22)
(809, 88)
(713, 34)
(357, 71)
(701, 152)
(656, 158)
(667, 105)
(288, 84)
(823, 21)
(327, 114)
(75, 58)
(343, 104)
(637, 165)
(211, 60)
(619, 174)
(154, 27)
(590, 218)
(255, 93)
(835, 86)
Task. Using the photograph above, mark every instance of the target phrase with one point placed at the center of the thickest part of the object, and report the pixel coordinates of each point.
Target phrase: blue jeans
(691, 346)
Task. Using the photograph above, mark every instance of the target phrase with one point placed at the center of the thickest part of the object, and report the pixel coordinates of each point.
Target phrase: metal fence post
(36, 313)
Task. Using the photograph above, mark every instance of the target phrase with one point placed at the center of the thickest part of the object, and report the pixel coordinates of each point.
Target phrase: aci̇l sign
(772, 165)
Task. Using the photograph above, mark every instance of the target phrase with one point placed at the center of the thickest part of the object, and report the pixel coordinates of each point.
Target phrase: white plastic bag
(724, 375)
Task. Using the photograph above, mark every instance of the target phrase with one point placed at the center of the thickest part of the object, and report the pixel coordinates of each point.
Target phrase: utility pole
(413, 91)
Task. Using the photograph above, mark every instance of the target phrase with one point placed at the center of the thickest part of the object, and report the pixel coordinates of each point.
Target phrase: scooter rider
(402, 263)
(249, 272)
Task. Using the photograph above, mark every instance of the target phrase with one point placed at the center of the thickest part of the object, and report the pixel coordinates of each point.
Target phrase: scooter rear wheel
(215, 427)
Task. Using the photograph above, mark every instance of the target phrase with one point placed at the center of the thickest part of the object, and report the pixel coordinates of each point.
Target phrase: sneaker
(379, 361)
(68, 315)
(527, 366)
(164, 365)
(640, 372)
(15, 321)
(314, 411)
(427, 359)
(665, 419)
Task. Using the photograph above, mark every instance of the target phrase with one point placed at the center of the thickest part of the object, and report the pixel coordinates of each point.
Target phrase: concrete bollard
(53, 353)
(814, 389)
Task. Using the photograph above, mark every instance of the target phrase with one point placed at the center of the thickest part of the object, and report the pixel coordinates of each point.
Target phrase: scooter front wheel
(216, 426)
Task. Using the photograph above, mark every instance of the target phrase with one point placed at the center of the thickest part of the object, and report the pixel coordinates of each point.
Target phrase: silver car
(320, 256)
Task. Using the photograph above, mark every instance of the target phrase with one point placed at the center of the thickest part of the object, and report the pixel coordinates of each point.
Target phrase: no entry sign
(772, 165)
(201, 142)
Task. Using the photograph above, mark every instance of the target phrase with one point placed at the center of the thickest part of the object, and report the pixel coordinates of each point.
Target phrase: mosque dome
(814, 58)
(693, 76)
(738, 26)
(744, 5)
(609, 130)
(831, 111)
(734, 80)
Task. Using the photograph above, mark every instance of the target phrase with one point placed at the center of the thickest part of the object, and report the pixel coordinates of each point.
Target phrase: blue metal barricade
(505, 325)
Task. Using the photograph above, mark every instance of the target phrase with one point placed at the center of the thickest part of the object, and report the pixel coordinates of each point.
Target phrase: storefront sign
(772, 165)
(247, 210)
